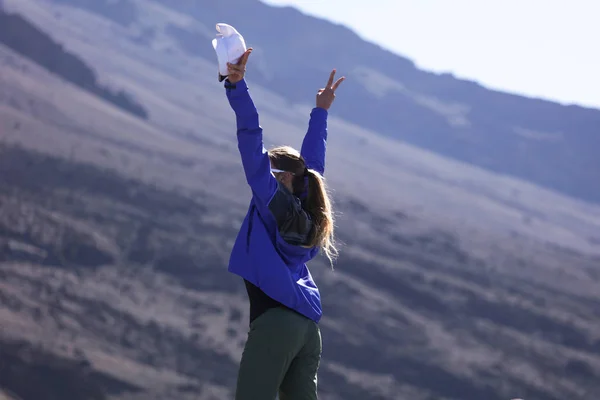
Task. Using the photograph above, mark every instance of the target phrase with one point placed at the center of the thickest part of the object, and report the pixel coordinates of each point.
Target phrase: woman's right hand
(237, 71)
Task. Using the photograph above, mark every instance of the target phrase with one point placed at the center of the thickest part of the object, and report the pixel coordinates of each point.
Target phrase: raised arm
(314, 145)
(255, 159)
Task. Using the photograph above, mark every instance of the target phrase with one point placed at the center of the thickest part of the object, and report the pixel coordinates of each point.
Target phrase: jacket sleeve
(314, 144)
(255, 159)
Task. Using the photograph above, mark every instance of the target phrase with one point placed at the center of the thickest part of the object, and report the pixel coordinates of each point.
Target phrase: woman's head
(317, 202)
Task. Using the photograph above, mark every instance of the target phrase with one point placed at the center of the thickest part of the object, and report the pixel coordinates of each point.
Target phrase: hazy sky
(548, 49)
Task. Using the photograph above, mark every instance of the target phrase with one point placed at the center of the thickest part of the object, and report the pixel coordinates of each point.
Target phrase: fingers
(331, 76)
(235, 68)
(338, 83)
(330, 85)
(334, 86)
(244, 58)
(240, 66)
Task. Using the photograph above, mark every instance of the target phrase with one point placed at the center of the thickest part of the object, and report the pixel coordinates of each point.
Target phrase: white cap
(229, 46)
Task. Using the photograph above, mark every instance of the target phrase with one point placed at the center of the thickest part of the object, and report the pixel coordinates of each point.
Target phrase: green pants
(281, 355)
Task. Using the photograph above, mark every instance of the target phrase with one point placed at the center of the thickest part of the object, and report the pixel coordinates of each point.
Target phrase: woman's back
(295, 227)
(272, 248)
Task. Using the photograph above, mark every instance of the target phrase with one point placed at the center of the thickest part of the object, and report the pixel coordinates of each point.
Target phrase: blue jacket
(260, 253)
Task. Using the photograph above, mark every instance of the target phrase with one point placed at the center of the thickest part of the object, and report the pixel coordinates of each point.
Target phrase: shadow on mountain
(25, 38)
(33, 373)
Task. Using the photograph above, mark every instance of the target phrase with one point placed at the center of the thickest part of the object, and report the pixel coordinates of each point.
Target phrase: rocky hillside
(117, 290)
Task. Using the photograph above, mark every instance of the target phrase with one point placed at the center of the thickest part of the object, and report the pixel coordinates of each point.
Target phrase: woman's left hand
(326, 95)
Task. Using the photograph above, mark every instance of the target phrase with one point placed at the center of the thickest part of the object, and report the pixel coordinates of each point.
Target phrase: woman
(289, 220)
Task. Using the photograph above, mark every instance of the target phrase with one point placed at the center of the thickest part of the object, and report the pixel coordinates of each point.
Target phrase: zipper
(250, 218)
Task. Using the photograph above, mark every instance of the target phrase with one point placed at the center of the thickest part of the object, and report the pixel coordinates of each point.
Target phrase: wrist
(235, 86)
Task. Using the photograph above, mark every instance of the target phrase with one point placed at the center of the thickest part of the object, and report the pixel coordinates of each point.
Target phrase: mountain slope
(186, 103)
(546, 143)
(18, 34)
(543, 142)
(123, 276)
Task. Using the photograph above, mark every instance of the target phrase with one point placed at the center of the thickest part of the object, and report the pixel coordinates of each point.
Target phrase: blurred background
(462, 157)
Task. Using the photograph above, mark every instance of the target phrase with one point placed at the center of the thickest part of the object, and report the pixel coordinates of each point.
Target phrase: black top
(294, 226)
(259, 301)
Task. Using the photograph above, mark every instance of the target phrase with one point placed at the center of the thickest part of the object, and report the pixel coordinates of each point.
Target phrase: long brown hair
(317, 203)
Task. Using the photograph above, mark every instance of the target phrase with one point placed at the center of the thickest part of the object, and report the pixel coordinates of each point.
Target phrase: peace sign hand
(237, 71)
(325, 96)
